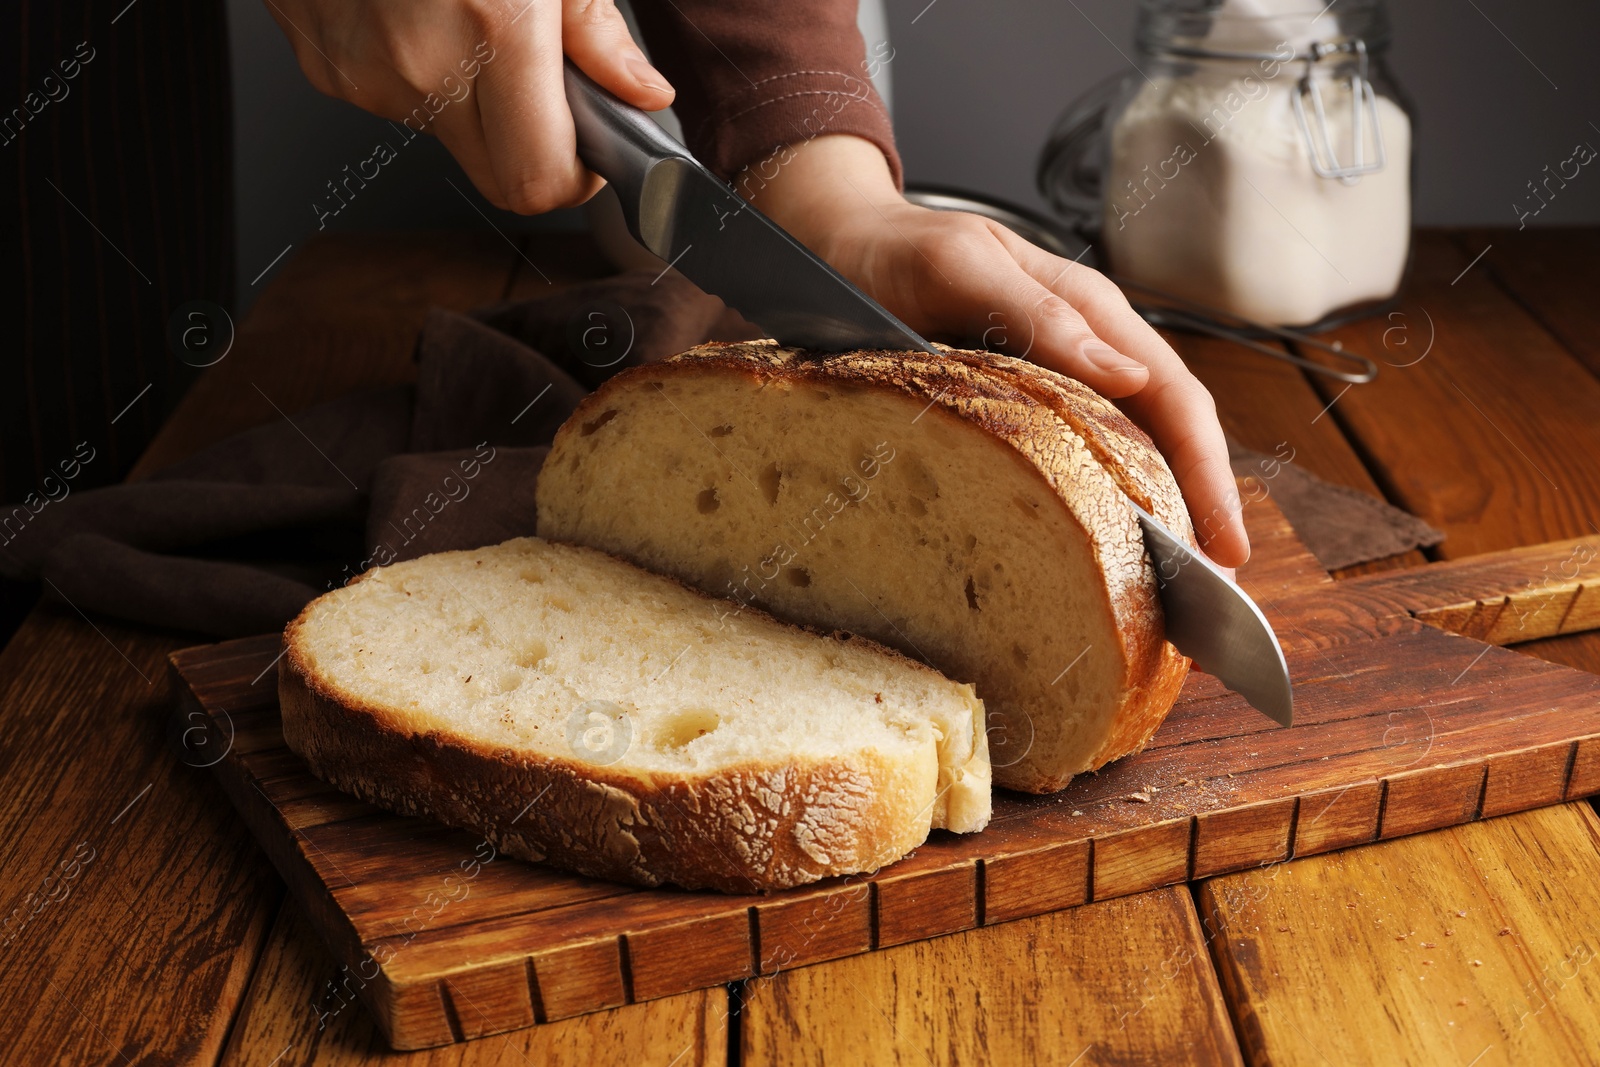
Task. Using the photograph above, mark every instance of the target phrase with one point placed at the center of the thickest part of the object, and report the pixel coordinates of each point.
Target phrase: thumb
(595, 37)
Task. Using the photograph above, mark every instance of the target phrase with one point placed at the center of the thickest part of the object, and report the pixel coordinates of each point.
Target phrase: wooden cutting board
(1400, 727)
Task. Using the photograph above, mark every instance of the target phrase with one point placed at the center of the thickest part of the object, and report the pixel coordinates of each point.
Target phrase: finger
(1010, 311)
(460, 130)
(318, 69)
(1174, 407)
(1181, 418)
(522, 103)
(1065, 342)
(1084, 353)
(595, 37)
(1100, 302)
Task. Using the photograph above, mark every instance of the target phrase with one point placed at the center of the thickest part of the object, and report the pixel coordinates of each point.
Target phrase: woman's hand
(961, 276)
(484, 76)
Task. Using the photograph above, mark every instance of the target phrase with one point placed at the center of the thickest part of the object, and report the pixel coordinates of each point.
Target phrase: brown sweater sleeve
(755, 75)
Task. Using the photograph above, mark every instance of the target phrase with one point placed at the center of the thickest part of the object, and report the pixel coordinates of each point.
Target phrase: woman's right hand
(484, 76)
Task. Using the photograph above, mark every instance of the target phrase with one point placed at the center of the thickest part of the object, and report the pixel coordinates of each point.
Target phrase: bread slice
(969, 510)
(574, 708)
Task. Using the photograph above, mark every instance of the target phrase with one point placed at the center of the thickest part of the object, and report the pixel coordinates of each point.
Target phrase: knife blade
(692, 219)
(689, 217)
(1216, 624)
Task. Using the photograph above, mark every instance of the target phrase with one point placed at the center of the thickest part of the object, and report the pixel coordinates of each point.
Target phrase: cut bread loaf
(969, 510)
(576, 709)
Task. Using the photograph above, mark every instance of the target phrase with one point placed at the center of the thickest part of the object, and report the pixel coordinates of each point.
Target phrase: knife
(692, 219)
(1216, 624)
(689, 217)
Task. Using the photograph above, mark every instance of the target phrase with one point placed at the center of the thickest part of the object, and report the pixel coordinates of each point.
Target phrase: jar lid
(1256, 29)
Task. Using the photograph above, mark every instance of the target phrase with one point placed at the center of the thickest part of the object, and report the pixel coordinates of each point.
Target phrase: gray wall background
(1501, 88)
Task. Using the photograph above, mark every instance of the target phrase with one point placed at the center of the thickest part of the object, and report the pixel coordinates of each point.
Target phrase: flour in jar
(1211, 193)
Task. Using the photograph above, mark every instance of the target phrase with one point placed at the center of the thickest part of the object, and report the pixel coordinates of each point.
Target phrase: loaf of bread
(969, 510)
(574, 708)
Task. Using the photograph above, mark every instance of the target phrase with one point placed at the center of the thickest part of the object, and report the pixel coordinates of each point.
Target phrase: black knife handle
(616, 140)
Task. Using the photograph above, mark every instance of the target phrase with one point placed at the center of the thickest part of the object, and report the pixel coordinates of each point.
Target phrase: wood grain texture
(302, 1009)
(1494, 436)
(1123, 981)
(1502, 598)
(1579, 651)
(1395, 734)
(1475, 945)
(1476, 437)
(134, 900)
(1550, 272)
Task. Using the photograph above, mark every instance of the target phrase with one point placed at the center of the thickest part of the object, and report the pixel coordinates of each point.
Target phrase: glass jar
(1257, 162)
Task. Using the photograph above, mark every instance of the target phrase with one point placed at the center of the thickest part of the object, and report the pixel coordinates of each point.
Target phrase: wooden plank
(1494, 437)
(1243, 837)
(1270, 407)
(1279, 564)
(134, 901)
(1542, 773)
(303, 1008)
(1550, 272)
(1482, 437)
(1131, 861)
(931, 892)
(1503, 598)
(809, 926)
(697, 951)
(1035, 880)
(1578, 651)
(1337, 818)
(1124, 981)
(1468, 945)
(1583, 775)
(1429, 797)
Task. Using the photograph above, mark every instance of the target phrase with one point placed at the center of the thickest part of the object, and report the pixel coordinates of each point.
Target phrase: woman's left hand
(956, 275)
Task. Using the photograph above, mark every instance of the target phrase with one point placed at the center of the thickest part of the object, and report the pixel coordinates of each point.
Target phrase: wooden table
(162, 933)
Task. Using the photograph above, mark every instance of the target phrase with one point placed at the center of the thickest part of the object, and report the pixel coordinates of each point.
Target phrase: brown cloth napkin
(235, 539)
(1341, 526)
